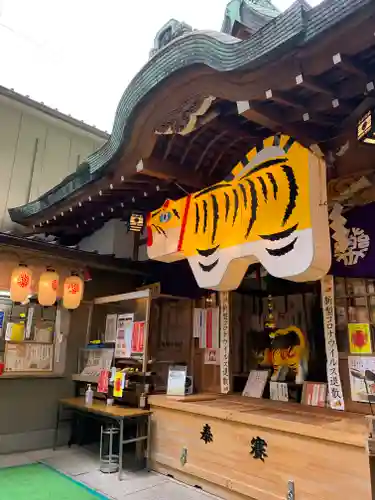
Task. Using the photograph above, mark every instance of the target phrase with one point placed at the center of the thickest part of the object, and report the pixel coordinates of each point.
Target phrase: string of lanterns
(21, 281)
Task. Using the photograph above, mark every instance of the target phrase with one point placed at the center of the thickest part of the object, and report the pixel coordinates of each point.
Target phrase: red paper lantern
(20, 284)
(47, 288)
(73, 292)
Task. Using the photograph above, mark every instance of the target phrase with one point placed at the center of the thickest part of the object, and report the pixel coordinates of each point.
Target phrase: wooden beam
(166, 170)
(276, 122)
(253, 113)
(232, 124)
(314, 85)
(348, 65)
(281, 98)
(209, 144)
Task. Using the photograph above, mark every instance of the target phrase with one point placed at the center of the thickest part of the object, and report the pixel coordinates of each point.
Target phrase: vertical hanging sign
(336, 398)
(224, 343)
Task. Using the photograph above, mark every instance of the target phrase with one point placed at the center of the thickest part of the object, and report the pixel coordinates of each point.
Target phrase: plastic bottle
(89, 395)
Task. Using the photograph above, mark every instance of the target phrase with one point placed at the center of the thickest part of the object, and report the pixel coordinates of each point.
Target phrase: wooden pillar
(371, 452)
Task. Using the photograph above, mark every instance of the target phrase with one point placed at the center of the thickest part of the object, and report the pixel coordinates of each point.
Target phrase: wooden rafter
(223, 152)
(191, 143)
(314, 85)
(209, 144)
(282, 98)
(166, 170)
(273, 120)
(348, 65)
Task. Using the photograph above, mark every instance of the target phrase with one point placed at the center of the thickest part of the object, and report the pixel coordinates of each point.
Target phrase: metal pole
(101, 445)
(121, 444)
(148, 444)
(110, 446)
(291, 495)
(56, 434)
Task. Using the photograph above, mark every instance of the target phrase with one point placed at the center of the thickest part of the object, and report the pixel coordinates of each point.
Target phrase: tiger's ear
(237, 169)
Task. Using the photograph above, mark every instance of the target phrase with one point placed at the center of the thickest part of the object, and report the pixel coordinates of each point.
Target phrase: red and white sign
(138, 337)
(314, 394)
(206, 327)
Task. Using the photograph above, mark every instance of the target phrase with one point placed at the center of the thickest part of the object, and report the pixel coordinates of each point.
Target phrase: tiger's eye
(165, 217)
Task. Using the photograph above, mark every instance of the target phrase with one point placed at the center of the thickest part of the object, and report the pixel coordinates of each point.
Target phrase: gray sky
(79, 55)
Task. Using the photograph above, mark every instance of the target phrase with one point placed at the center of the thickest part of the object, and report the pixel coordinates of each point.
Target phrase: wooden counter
(322, 450)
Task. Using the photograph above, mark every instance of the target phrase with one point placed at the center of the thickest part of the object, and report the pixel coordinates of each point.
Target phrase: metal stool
(109, 461)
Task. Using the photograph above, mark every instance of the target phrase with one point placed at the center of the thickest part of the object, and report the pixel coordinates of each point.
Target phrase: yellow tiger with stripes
(289, 349)
(270, 209)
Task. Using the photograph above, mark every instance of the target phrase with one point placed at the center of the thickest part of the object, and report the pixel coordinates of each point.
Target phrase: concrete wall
(36, 152)
(28, 406)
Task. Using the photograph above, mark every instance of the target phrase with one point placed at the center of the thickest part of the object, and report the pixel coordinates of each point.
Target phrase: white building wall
(36, 152)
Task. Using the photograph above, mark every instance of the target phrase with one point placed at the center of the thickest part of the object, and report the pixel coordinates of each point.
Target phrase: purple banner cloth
(358, 260)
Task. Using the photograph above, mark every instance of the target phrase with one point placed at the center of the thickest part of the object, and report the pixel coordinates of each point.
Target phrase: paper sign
(113, 374)
(212, 357)
(362, 378)
(314, 394)
(103, 381)
(124, 335)
(138, 337)
(256, 383)
(176, 380)
(30, 314)
(279, 391)
(110, 328)
(117, 386)
(335, 394)
(2, 315)
(17, 332)
(123, 380)
(225, 379)
(359, 338)
(28, 357)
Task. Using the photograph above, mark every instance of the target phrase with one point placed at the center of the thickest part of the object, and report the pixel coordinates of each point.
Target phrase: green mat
(39, 482)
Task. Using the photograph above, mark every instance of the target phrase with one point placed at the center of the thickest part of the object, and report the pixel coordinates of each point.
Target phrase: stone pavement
(83, 466)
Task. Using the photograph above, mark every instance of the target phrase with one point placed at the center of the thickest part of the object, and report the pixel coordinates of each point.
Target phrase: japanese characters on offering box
(336, 398)
(224, 343)
(258, 448)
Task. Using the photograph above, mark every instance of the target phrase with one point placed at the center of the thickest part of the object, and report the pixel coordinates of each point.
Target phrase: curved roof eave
(215, 50)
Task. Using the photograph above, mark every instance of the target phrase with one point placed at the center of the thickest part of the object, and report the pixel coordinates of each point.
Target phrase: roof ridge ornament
(251, 13)
(168, 32)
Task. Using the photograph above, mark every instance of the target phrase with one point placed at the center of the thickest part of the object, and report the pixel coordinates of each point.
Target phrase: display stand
(119, 325)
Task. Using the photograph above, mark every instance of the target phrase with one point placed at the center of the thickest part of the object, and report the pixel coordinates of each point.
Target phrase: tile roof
(295, 27)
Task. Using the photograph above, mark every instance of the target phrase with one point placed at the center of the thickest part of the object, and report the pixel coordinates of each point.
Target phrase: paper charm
(117, 387)
(103, 381)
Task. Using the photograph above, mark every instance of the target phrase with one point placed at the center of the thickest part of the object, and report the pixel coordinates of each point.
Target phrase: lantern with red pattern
(47, 288)
(20, 284)
(73, 291)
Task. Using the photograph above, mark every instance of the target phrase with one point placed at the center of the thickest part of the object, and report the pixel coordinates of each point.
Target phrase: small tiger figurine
(270, 209)
(288, 349)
